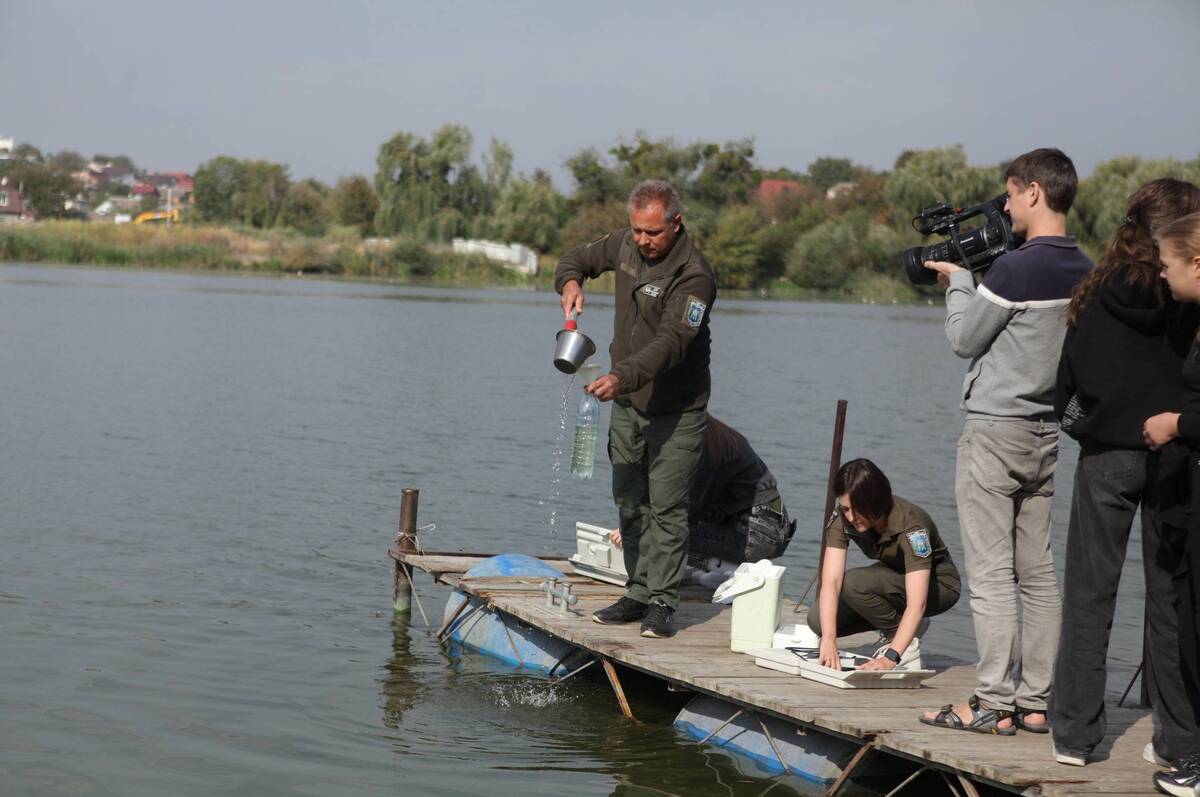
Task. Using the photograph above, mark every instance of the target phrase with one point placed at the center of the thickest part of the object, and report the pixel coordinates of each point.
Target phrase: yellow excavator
(151, 216)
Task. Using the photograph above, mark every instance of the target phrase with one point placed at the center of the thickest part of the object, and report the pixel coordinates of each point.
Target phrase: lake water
(201, 476)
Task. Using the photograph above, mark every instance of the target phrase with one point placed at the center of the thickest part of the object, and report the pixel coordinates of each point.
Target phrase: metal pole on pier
(406, 542)
(835, 463)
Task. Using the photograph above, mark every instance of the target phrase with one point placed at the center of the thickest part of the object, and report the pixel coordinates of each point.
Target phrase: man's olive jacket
(660, 345)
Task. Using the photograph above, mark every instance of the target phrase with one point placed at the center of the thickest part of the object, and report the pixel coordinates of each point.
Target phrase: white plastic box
(757, 593)
(596, 556)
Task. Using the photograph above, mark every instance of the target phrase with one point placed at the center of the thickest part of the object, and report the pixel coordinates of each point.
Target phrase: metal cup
(572, 349)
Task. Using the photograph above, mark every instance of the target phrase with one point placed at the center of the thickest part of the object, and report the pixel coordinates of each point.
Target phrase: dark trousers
(873, 598)
(761, 532)
(1109, 485)
(1187, 585)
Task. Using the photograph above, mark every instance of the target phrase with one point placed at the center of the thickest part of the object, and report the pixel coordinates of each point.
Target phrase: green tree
(776, 240)
(734, 248)
(927, 177)
(304, 209)
(214, 186)
(45, 187)
(529, 211)
(824, 173)
(825, 257)
(27, 152)
(67, 161)
(727, 174)
(593, 221)
(498, 166)
(428, 188)
(1101, 199)
(647, 159)
(595, 182)
(262, 187)
(355, 203)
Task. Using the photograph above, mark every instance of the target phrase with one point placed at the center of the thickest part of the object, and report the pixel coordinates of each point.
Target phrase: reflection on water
(400, 686)
(202, 476)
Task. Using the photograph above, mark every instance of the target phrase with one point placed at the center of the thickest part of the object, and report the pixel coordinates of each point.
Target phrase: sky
(321, 85)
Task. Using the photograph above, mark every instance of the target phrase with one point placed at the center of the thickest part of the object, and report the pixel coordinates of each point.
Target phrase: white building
(6, 148)
(520, 257)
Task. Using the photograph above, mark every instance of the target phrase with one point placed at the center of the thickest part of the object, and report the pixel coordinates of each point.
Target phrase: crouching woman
(913, 576)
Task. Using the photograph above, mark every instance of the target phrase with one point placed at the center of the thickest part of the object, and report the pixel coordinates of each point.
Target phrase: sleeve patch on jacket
(695, 312)
(919, 540)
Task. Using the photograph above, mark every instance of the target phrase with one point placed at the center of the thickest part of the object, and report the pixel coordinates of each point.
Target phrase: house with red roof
(772, 194)
(12, 204)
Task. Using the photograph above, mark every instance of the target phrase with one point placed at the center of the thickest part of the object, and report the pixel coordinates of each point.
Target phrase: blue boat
(505, 638)
(814, 757)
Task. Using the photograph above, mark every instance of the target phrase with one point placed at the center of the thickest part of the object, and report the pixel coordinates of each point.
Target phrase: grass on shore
(341, 252)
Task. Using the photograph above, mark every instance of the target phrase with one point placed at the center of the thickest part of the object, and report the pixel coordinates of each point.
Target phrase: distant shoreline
(336, 257)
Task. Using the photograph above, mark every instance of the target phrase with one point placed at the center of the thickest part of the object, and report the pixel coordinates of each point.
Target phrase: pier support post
(868, 744)
(611, 672)
(406, 542)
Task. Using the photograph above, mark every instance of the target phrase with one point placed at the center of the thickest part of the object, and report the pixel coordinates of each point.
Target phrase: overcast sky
(320, 85)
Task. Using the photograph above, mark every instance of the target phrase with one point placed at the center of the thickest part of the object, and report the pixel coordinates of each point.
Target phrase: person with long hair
(1179, 250)
(1121, 360)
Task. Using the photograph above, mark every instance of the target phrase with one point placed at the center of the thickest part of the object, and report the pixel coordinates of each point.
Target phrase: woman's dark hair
(1132, 254)
(869, 490)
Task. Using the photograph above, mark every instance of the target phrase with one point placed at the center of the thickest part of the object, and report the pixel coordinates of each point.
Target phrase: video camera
(974, 248)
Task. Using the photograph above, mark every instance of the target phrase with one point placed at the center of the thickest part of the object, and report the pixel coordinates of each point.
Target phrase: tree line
(834, 227)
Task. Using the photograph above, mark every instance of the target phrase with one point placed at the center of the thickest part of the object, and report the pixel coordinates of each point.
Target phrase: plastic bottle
(587, 426)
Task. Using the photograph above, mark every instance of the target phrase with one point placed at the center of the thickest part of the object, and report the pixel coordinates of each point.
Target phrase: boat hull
(480, 629)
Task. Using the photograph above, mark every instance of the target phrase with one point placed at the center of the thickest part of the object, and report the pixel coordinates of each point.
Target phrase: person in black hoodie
(1179, 249)
(1120, 364)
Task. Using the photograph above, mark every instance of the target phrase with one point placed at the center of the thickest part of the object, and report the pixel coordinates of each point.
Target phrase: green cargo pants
(654, 458)
(873, 598)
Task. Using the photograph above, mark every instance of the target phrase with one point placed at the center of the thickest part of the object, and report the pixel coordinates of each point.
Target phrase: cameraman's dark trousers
(1109, 485)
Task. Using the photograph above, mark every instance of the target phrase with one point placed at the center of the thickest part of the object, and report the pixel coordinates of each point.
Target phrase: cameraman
(1012, 329)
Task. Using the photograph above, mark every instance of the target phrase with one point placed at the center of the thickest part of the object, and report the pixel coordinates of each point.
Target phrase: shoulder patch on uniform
(695, 312)
(919, 540)
(653, 291)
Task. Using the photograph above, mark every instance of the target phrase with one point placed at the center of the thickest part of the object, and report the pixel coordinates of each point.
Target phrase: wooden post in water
(406, 542)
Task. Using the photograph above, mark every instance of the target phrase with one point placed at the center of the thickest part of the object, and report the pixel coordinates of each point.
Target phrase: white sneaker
(910, 659)
(1153, 757)
(1070, 759)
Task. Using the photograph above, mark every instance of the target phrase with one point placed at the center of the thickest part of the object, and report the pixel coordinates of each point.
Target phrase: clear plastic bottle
(587, 425)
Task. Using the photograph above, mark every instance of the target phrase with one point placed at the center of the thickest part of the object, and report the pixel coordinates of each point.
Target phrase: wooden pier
(882, 721)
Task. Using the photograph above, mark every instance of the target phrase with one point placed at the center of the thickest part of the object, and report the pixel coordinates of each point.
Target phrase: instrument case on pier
(596, 556)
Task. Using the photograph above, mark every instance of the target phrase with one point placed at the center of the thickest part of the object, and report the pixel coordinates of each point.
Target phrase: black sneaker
(626, 610)
(1184, 781)
(658, 621)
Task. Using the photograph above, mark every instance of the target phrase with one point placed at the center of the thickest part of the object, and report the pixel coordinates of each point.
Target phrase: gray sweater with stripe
(1012, 327)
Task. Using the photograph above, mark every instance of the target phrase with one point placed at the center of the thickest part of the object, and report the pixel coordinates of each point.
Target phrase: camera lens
(913, 261)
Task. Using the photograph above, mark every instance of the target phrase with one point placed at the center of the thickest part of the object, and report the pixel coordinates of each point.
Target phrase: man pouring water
(659, 385)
